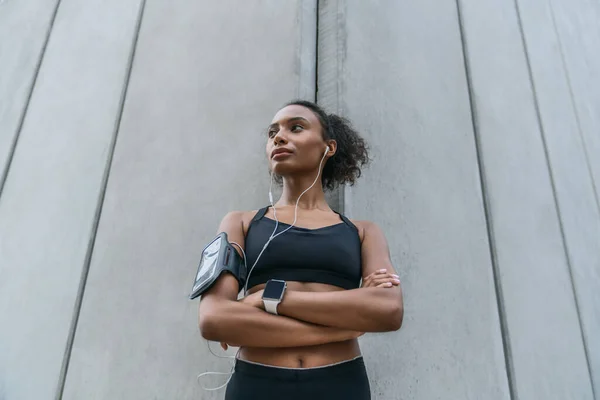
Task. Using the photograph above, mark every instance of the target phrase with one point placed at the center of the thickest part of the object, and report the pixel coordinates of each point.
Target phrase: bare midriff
(306, 356)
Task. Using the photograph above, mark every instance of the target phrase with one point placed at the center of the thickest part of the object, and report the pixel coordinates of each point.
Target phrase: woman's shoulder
(361, 226)
(364, 227)
(242, 217)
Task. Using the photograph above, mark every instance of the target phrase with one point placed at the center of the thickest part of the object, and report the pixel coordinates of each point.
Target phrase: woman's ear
(331, 147)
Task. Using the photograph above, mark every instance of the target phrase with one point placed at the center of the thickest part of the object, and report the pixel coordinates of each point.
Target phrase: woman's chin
(282, 168)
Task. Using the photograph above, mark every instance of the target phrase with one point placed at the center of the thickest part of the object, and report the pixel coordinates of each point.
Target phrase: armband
(217, 257)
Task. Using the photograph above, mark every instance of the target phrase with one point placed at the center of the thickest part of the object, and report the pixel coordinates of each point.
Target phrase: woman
(306, 346)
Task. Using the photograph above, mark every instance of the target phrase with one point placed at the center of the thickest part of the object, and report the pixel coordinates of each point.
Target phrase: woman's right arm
(223, 319)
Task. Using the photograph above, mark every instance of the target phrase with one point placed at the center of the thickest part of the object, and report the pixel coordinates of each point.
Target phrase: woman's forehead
(293, 111)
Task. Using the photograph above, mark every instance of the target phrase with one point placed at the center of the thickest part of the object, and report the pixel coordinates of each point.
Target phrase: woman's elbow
(207, 324)
(392, 310)
(395, 316)
(208, 321)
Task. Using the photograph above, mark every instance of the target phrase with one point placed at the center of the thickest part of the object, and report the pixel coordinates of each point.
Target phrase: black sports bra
(329, 255)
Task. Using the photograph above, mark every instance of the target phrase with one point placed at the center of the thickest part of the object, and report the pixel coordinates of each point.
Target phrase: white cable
(243, 253)
(218, 356)
(298, 200)
(230, 373)
(268, 241)
(271, 237)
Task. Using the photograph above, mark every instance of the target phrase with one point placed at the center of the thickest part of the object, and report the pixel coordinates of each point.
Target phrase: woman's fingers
(374, 275)
(381, 278)
(377, 278)
(379, 271)
(391, 279)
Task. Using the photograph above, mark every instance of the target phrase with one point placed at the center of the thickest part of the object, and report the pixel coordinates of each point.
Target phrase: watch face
(274, 290)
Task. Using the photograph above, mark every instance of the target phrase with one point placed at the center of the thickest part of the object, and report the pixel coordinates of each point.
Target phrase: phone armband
(217, 257)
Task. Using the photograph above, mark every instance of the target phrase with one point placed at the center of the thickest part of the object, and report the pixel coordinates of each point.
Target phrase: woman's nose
(279, 138)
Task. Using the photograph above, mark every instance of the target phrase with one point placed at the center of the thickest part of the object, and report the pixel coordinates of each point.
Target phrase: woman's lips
(283, 154)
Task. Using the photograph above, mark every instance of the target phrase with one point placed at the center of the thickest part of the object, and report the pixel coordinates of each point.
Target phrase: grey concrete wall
(408, 96)
(48, 204)
(546, 355)
(569, 165)
(190, 148)
(24, 29)
(136, 125)
(579, 34)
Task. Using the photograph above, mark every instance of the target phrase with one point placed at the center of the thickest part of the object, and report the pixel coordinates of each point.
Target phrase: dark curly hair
(352, 151)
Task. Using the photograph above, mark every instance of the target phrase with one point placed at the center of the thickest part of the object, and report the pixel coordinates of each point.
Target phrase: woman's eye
(271, 133)
(296, 128)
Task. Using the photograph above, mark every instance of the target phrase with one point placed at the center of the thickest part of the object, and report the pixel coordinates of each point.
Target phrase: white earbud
(327, 149)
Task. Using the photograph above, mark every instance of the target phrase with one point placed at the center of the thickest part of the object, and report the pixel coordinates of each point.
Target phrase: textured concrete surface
(49, 200)
(573, 183)
(190, 148)
(24, 28)
(546, 349)
(577, 23)
(500, 269)
(408, 95)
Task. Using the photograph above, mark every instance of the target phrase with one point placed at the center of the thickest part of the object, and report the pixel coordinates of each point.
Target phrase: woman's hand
(254, 300)
(381, 279)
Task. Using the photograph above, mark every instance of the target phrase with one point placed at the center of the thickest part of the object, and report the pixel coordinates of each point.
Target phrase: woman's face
(295, 143)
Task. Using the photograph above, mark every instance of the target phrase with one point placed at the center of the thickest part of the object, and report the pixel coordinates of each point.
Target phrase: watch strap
(271, 306)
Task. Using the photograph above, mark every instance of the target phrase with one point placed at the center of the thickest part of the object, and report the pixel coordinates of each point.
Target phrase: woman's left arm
(367, 309)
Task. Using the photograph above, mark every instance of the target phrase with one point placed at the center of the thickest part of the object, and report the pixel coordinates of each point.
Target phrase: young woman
(304, 346)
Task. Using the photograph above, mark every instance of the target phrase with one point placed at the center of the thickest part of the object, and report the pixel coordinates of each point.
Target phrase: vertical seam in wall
(344, 192)
(575, 110)
(341, 50)
(299, 48)
(553, 185)
(339, 207)
(305, 50)
(36, 73)
(330, 17)
(300, 11)
(98, 212)
(508, 359)
(317, 8)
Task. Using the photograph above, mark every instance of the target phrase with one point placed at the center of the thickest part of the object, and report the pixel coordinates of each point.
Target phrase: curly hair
(352, 150)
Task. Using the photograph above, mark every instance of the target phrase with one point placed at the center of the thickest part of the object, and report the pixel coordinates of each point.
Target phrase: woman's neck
(314, 198)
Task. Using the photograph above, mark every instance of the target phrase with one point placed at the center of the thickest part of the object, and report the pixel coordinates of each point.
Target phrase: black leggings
(347, 380)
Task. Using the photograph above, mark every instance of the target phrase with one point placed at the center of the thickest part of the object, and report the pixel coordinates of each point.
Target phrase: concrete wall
(544, 359)
(129, 128)
(50, 198)
(569, 148)
(24, 30)
(409, 97)
(190, 147)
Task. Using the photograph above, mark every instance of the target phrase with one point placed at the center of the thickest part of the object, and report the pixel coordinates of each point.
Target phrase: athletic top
(329, 255)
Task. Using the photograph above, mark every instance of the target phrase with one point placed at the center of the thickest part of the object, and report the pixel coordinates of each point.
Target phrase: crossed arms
(305, 318)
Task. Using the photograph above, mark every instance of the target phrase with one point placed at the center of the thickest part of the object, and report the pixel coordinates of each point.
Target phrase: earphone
(271, 237)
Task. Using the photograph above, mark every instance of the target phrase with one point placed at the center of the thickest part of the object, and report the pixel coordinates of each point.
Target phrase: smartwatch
(272, 295)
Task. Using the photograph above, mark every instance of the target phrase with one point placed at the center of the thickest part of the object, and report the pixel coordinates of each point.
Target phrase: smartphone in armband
(217, 257)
